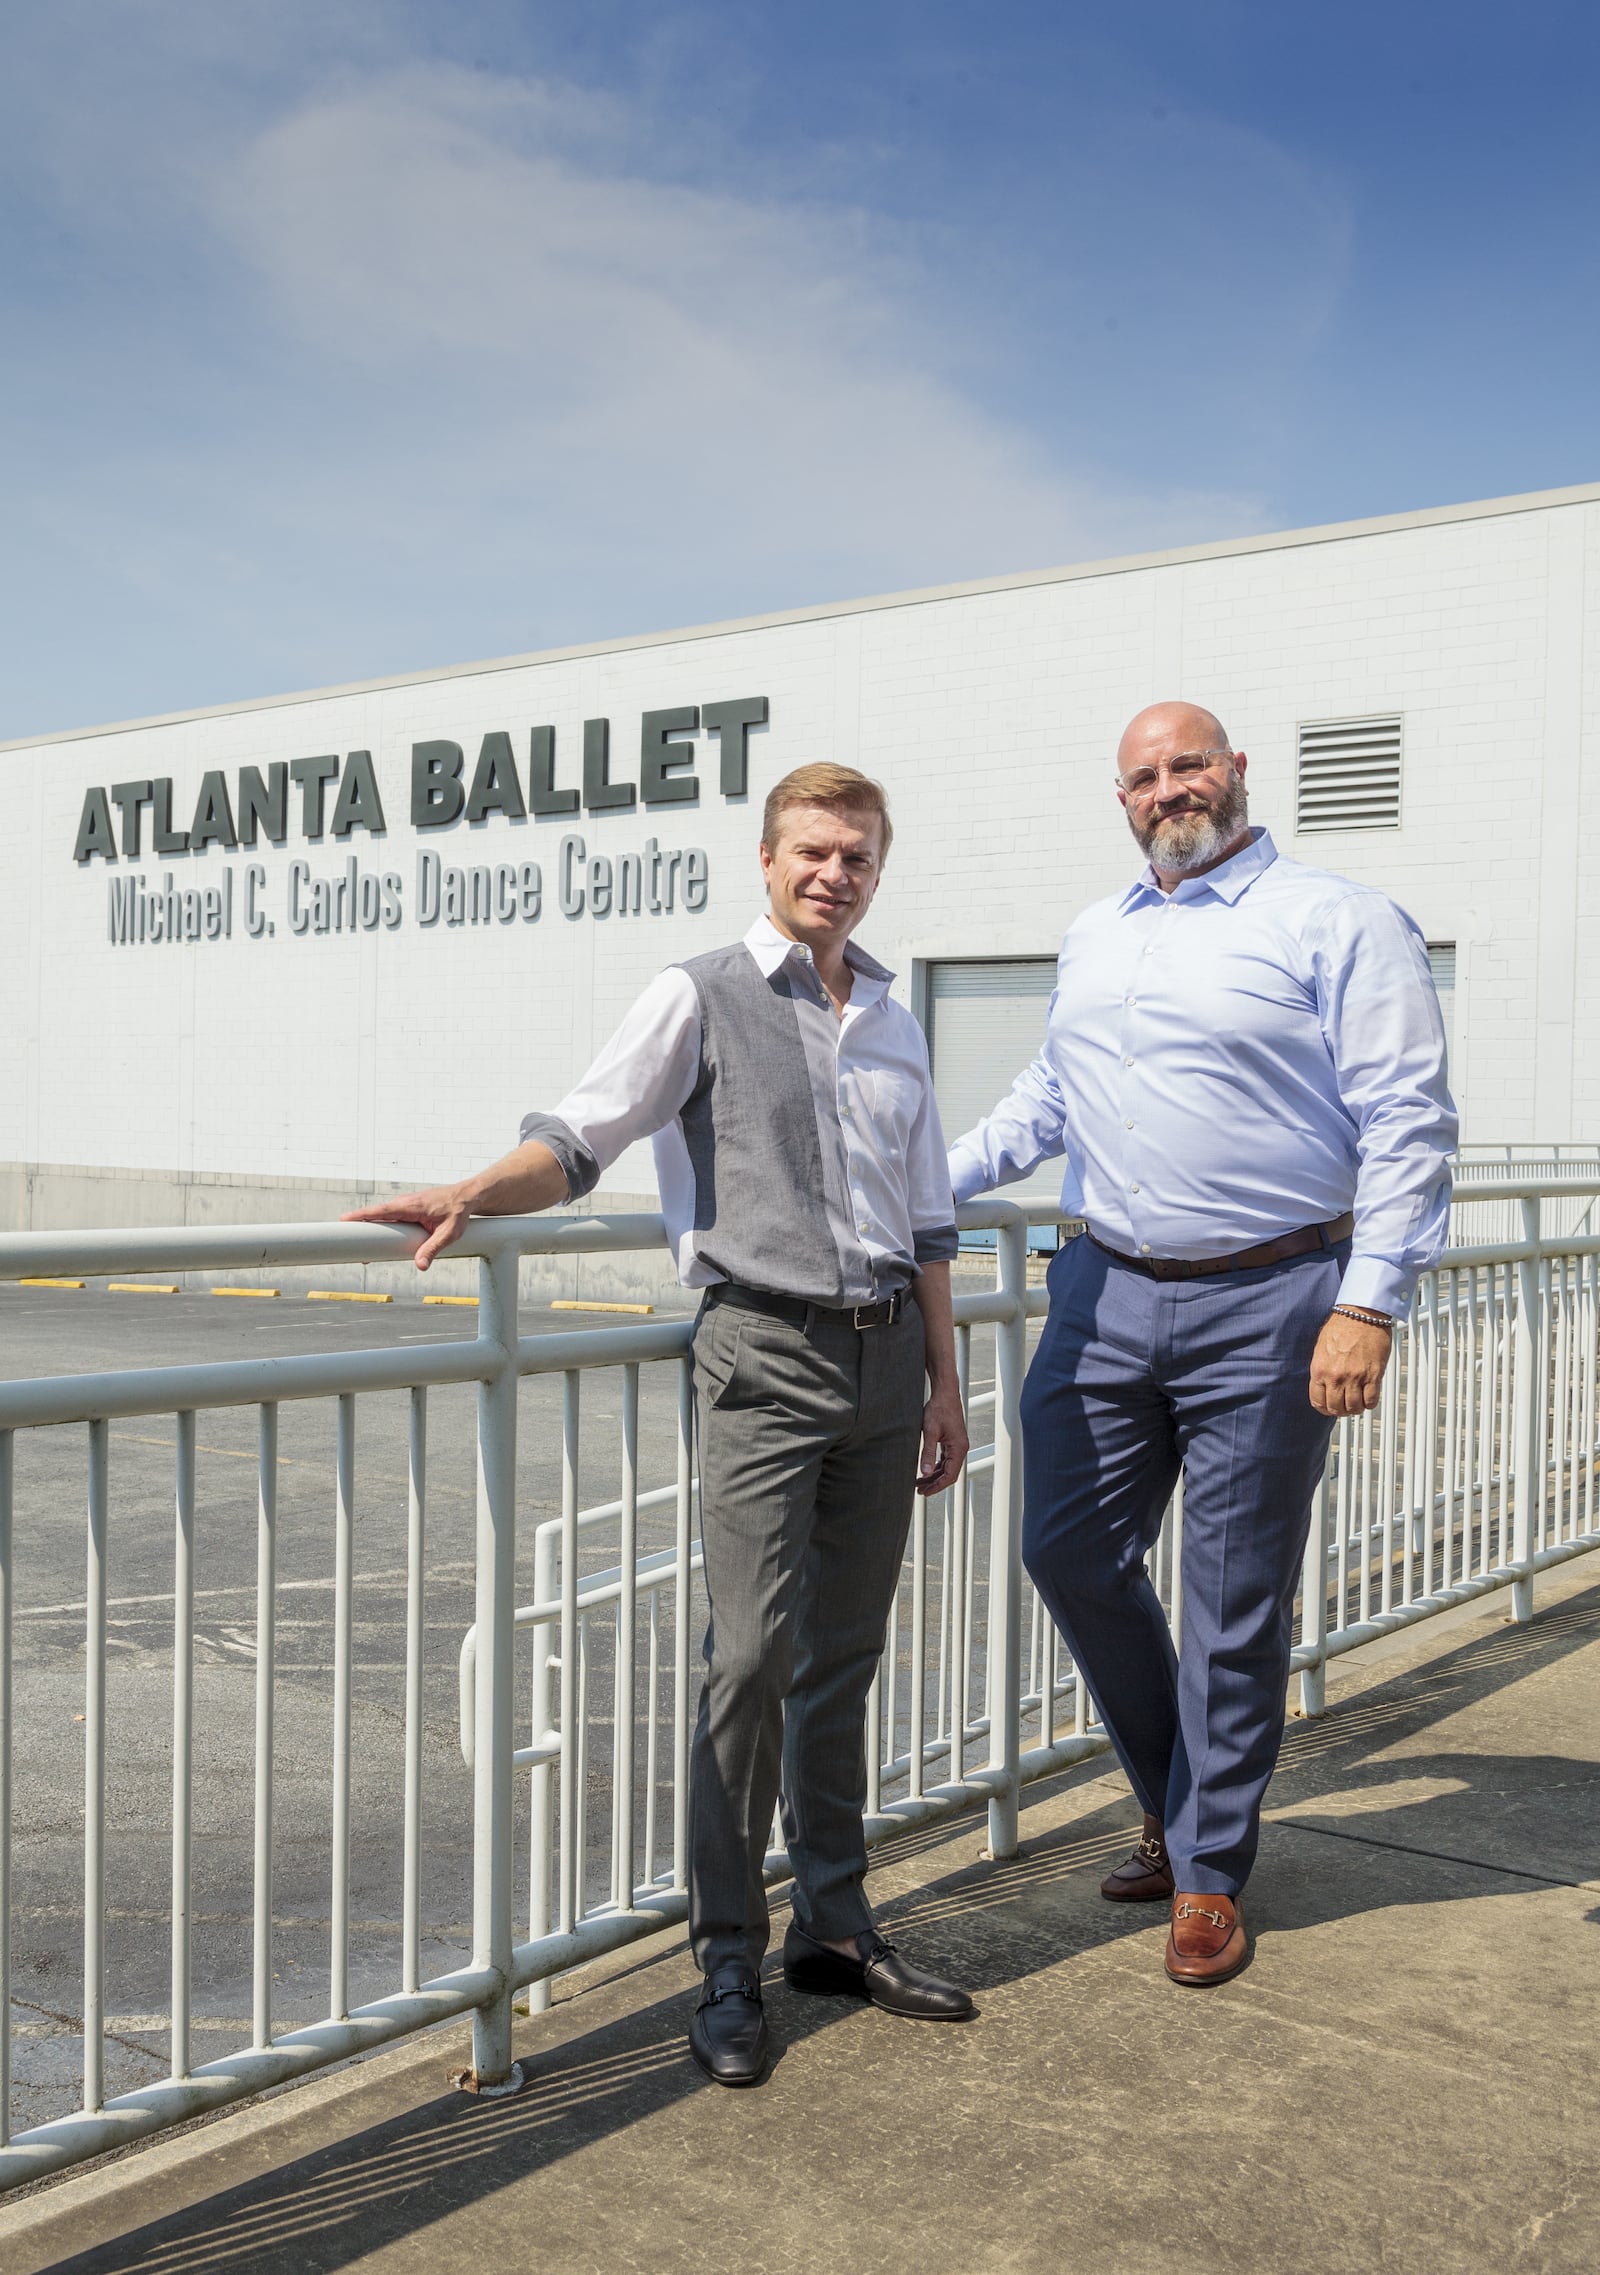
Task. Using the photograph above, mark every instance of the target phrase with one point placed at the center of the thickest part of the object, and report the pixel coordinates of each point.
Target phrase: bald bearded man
(1244, 1065)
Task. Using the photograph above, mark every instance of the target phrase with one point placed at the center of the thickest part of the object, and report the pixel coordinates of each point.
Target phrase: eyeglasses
(1185, 768)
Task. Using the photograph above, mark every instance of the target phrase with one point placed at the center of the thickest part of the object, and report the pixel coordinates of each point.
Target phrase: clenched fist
(1347, 1365)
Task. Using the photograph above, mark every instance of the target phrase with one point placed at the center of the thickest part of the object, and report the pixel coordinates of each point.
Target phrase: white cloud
(329, 362)
(626, 360)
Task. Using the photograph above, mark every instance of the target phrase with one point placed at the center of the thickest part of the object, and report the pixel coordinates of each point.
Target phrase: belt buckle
(888, 1305)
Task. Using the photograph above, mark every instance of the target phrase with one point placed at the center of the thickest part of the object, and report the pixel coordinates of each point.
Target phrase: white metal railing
(1477, 1468)
(1561, 1170)
(1476, 1471)
(1530, 1158)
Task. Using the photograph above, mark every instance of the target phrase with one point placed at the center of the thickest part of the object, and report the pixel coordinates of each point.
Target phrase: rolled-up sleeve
(1381, 1019)
(637, 1085)
(930, 1202)
(1027, 1127)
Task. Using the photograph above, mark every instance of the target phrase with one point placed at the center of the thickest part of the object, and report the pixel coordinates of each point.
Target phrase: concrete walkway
(1407, 2077)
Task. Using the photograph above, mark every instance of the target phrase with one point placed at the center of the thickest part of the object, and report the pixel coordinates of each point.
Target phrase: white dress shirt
(887, 1211)
(1258, 1050)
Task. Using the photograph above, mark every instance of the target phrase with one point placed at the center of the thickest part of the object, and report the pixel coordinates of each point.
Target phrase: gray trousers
(808, 1454)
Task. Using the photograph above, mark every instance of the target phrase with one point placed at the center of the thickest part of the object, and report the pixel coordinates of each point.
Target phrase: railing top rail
(200, 1248)
(203, 1248)
(27, 1255)
(1527, 1188)
(1542, 1149)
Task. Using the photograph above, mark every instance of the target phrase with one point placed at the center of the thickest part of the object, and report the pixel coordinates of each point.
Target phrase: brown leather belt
(798, 1312)
(1277, 1251)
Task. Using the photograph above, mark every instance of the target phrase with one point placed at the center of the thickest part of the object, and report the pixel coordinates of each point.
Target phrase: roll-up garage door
(985, 1022)
(1442, 964)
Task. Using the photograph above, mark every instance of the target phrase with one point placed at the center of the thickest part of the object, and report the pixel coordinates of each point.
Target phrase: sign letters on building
(328, 797)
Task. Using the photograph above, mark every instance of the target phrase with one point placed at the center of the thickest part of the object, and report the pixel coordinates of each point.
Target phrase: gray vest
(772, 1184)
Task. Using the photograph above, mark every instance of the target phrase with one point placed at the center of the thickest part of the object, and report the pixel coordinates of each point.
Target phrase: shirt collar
(1228, 882)
(772, 948)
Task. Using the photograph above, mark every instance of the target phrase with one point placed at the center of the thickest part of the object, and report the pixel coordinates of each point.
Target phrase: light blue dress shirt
(1257, 1050)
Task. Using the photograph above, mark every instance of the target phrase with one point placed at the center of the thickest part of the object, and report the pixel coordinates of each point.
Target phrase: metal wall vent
(1348, 775)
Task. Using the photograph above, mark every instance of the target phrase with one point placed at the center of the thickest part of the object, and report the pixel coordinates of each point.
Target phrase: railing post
(1314, 1600)
(1528, 1410)
(266, 1665)
(416, 1544)
(541, 1819)
(182, 1744)
(94, 1777)
(495, 1619)
(344, 1549)
(681, 1638)
(1003, 1688)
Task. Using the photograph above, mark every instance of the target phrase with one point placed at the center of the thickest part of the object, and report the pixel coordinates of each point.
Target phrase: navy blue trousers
(1134, 1380)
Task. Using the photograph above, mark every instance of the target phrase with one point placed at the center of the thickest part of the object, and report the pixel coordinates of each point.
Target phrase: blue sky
(352, 337)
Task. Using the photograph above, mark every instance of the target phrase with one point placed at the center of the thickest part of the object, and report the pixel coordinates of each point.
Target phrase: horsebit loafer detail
(1207, 1943)
(1145, 1877)
(728, 2030)
(878, 1974)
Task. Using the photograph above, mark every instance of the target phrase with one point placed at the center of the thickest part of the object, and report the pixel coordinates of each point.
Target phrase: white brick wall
(993, 718)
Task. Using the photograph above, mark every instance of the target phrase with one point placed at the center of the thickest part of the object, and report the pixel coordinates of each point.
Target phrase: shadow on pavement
(987, 1924)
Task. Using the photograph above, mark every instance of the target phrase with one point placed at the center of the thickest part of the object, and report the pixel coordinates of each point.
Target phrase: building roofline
(1327, 533)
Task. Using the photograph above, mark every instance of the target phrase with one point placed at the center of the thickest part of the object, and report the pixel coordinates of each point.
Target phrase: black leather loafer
(728, 2030)
(878, 1974)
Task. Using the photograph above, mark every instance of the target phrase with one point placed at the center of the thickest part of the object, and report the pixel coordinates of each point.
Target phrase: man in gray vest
(805, 1188)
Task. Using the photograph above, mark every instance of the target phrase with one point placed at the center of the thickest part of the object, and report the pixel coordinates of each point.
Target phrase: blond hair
(839, 788)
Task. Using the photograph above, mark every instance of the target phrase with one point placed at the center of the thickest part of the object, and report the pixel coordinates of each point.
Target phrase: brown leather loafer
(1146, 1876)
(1208, 1943)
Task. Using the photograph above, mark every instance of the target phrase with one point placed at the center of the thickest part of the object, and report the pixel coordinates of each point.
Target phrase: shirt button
(1127, 1125)
(1144, 1247)
(1149, 951)
(1133, 1188)
(1127, 1062)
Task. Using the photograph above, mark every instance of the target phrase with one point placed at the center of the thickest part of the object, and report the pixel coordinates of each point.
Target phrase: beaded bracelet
(1367, 1318)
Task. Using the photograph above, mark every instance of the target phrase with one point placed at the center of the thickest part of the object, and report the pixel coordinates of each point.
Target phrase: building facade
(260, 960)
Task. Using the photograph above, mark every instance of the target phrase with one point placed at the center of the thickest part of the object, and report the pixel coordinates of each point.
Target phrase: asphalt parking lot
(55, 1331)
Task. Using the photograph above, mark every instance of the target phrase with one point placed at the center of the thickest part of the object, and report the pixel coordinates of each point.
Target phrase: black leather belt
(797, 1311)
(1277, 1251)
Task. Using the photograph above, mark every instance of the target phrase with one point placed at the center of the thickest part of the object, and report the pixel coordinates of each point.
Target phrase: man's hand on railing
(944, 1441)
(527, 1180)
(1348, 1364)
(442, 1211)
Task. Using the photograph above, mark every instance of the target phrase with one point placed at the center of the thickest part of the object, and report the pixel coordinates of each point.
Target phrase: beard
(1193, 838)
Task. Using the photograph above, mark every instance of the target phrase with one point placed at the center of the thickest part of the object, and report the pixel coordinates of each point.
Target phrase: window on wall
(1348, 774)
(985, 1022)
(1442, 964)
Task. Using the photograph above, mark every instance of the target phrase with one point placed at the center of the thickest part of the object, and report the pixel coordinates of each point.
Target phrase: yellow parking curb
(639, 1309)
(472, 1299)
(52, 1283)
(141, 1287)
(247, 1291)
(343, 1295)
